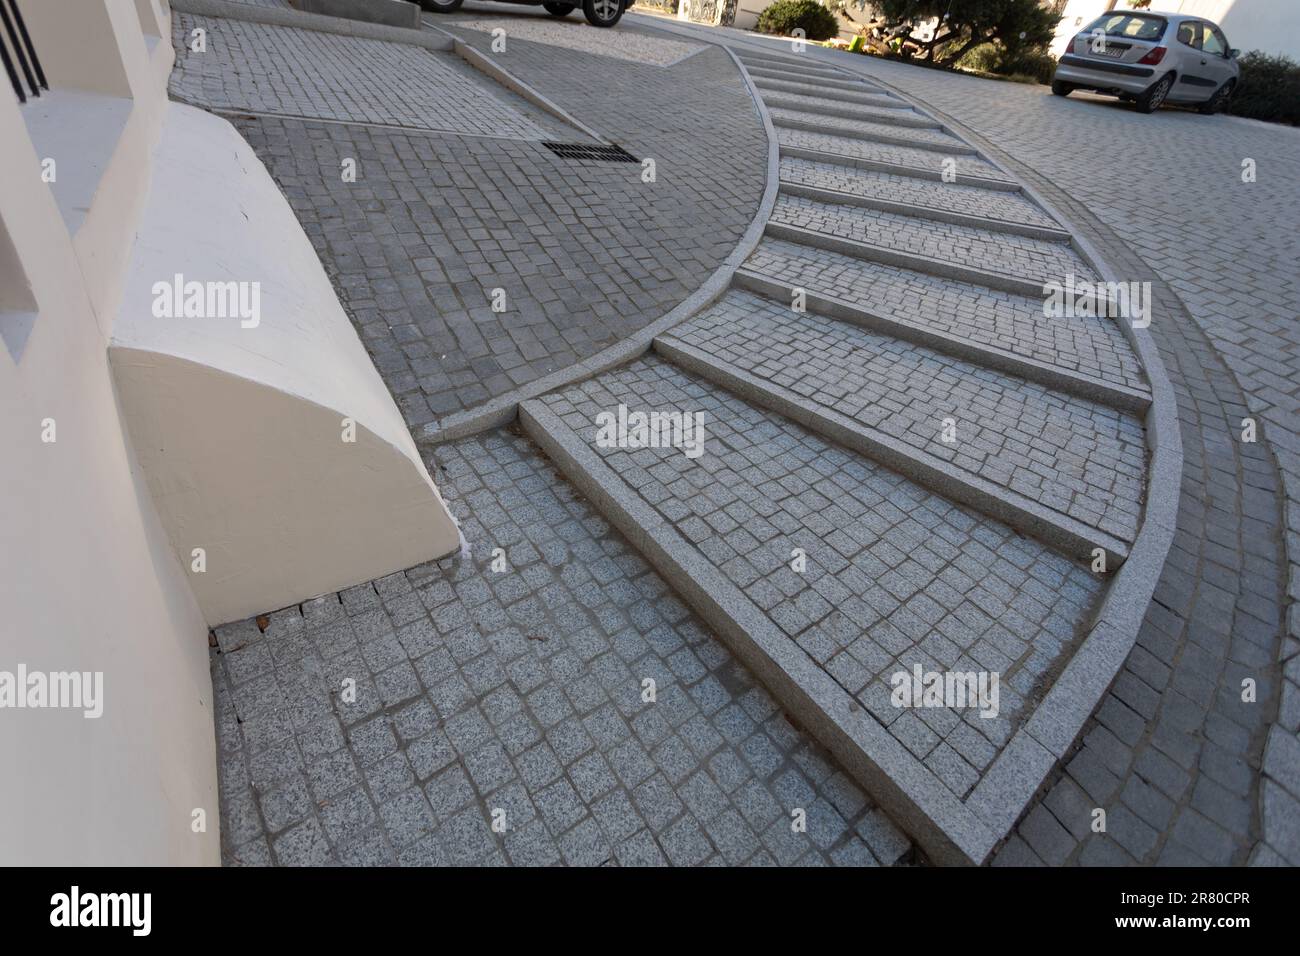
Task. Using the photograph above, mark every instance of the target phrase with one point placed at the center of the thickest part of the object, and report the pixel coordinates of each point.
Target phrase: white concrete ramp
(267, 437)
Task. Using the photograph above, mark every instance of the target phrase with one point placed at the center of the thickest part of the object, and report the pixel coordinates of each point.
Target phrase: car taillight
(1154, 56)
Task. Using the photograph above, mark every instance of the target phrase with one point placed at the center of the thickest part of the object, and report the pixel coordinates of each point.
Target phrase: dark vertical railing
(16, 45)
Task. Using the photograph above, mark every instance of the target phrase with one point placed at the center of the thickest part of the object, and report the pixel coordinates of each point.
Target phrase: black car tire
(598, 12)
(1061, 89)
(441, 6)
(1219, 101)
(558, 9)
(1154, 95)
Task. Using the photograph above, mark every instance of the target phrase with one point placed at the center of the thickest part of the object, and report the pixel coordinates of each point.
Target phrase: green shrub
(1025, 65)
(785, 16)
(1269, 89)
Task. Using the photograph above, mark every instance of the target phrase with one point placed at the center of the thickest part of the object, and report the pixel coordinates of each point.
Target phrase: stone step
(1088, 357)
(794, 64)
(828, 574)
(945, 202)
(814, 106)
(890, 157)
(876, 132)
(869, 97)
(809, 79)
(1012, 263)
(903, 208)
(1064, 469)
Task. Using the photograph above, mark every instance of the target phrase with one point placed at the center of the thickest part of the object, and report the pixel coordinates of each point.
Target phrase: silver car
(1151, 58)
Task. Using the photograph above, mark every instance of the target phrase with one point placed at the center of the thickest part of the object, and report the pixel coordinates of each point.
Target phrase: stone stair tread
(925, 159)
(832, 124)
(1071, 456)
(867, 94)
(883, 107)
(953, 197)
(1035, 261)
(1093, 347)
(849, 83)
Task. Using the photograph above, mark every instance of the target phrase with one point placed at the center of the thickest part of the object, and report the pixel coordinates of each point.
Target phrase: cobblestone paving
(950, 197)
(926, 159)
(896, 576)
(519, 690)
(586, 252)
(1089, 345)
(1037, 260)
(912, 134)
(1187, 771)
(284, 70)
(825, 94)
(624, 43)
(1068, 454)
(887, 112)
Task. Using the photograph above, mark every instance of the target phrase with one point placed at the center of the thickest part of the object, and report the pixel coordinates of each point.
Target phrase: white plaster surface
(239, 428)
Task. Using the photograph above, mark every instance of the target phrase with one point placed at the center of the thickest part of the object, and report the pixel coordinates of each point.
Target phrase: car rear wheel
(558, 9)
(602, 13)
(1218, 101)
(441, 6)
(1061, 89)
(1155, 94)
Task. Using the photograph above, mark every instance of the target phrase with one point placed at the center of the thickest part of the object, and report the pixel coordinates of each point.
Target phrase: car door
(1214, 55)
(1198, 74)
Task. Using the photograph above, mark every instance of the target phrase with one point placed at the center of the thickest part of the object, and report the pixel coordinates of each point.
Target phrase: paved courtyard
(440, 218)
(495, 710)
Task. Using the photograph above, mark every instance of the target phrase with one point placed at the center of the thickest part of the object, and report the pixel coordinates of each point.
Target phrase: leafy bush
(1269, 88)
(785, 16)
(1024, 64)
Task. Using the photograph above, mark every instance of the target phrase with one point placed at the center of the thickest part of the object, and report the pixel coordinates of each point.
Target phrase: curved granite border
(504, 409)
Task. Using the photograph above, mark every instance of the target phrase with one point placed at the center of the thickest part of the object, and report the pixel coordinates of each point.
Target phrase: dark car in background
(599, 13)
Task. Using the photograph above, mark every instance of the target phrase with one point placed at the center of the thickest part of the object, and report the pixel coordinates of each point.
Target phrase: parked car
(1151, 58)
(599, 13)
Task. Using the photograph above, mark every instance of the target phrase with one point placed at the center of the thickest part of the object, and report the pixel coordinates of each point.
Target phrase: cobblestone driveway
(585, 252)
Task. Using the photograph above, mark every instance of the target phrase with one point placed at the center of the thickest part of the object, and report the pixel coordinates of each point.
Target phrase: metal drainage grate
(594, 154)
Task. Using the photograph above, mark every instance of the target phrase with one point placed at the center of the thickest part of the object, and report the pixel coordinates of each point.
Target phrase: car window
(1189, 34)
(1134, 26)
(1215, 42)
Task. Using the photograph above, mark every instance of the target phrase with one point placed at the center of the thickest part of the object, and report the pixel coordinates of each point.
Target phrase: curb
(505, 78)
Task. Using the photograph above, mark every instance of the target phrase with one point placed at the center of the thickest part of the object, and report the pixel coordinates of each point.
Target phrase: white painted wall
(227, 435)
(87, 578)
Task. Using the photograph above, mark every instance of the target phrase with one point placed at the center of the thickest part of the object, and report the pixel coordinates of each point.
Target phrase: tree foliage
(972, 23)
